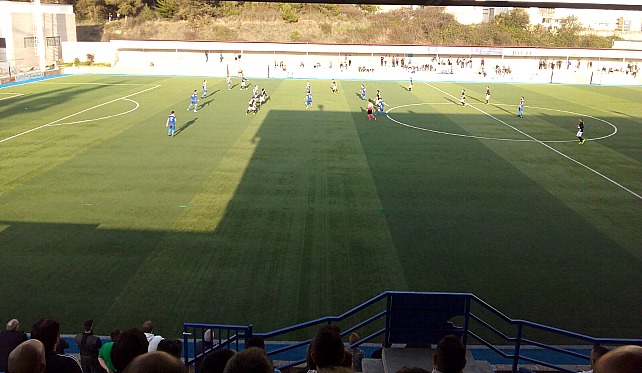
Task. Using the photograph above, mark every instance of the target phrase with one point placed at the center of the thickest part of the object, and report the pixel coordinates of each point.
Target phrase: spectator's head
(353, 338)
(89, 324)
(114, 335)
(13, 324)
(147, 326)
(412, 370)
(596, 353)
(215, 361)
(47, 331)
(132, 342)
(450, 356)
(625, 359)
(255, 341)
(327, 347)
(207, 336)
(155, 362)
(172, 346)
(27, 357)
(252, 359)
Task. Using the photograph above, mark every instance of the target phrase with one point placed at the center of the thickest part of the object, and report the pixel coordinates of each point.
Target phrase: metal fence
(415, 318)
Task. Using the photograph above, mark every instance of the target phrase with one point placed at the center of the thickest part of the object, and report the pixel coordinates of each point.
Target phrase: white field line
(74, 114)
(544, 144)
(11, 93)
(101, 118)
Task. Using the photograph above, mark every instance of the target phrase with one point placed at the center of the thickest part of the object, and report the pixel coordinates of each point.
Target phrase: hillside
(334, 24)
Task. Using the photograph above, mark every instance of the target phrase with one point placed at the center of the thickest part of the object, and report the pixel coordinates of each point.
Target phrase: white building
(21, 23)
(623, 23)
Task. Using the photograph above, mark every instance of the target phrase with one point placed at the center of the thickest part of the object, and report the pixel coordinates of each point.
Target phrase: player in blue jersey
(204, 89)
(363, 92)
(308, 100)
(381, 105)
(193, 101)
(520, 108)
(171, 124)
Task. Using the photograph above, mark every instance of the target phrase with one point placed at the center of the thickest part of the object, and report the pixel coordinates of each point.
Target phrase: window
(3, 43)
(53, 41)
(30, 42)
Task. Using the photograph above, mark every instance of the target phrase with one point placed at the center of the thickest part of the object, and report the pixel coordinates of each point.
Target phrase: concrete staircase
(394, 359)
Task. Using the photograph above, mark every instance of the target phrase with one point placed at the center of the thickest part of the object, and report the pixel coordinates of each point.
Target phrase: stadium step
(394, 359)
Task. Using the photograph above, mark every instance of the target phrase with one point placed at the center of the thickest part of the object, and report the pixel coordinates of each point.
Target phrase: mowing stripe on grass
(74, 114)
(544, 144)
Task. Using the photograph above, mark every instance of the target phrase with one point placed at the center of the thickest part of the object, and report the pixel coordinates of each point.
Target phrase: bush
(288, 14)
(326, 28)
(295, 35)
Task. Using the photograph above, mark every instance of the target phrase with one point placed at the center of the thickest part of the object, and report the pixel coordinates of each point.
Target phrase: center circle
(499, 138)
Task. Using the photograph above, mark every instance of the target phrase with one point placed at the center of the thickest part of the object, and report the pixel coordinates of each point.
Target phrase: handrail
(472, 322)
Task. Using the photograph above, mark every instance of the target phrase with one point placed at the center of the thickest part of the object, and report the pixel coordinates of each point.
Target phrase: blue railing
(382, 319)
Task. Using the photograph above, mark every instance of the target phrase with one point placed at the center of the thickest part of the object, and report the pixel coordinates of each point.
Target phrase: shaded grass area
(294, 214)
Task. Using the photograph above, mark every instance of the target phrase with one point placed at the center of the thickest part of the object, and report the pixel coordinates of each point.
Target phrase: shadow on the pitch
(185, 126)
(478, 100)
(504, 109)
(204, 104)
(453, 101)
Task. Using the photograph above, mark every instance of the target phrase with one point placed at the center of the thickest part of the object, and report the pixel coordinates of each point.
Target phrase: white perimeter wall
(259, 59)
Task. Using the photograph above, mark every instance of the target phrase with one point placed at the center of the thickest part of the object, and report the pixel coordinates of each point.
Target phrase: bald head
(13, 324)
(28, 357)
(625, 359)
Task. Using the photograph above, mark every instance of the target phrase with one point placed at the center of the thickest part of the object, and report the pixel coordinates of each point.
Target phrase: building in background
(20, 47)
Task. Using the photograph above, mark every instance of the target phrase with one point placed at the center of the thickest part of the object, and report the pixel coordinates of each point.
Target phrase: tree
(126, 7)
(369, 8)
(166, 8)
(516, 19)
(93, 10)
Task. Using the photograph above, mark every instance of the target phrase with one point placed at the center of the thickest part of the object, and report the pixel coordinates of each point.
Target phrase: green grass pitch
(292, 214)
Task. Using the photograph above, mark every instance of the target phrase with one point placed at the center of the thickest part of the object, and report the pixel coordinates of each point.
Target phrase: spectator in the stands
(47, 331)
(215, 361)
(205, 344)
(596, 352)
(131, 343)
(258, 342)
(625, 359)
(172, 346)
(155, 362)
(255, 341)
(327, 348)
(450, 356)
(252, 359)
(10, 339)
(153, 340)
(357, 352)
(89, 346)
(104, 356)
(27, 357)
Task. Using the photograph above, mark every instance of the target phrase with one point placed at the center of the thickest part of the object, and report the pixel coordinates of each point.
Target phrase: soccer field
(293, 214)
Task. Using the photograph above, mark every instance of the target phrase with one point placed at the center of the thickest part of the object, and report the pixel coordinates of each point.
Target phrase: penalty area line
(544, 144)
(74, 114)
